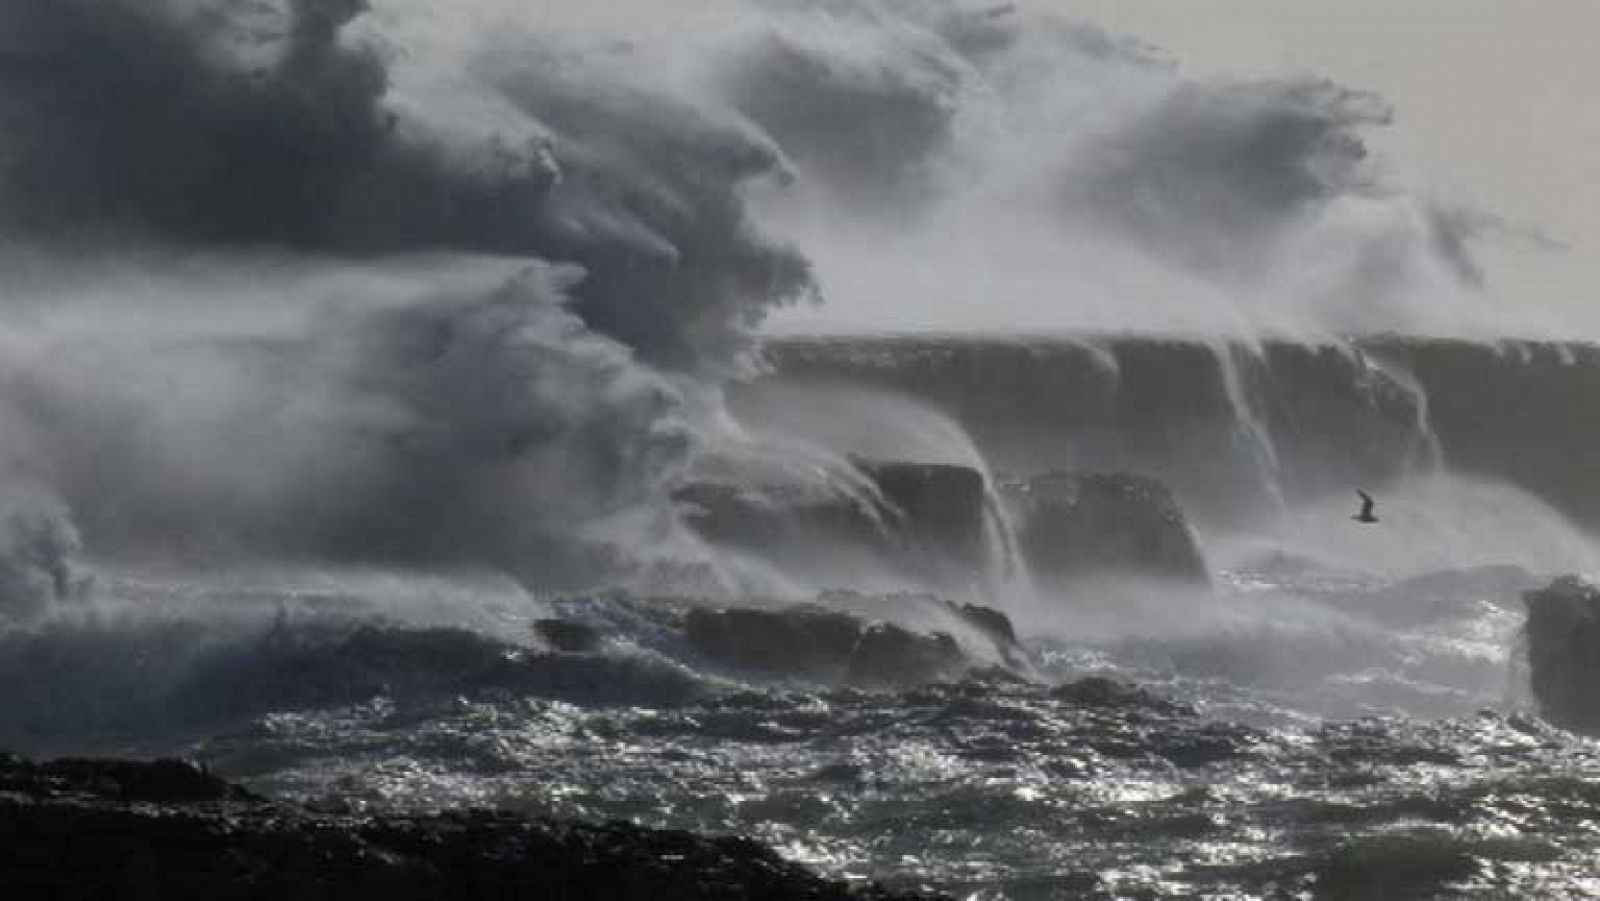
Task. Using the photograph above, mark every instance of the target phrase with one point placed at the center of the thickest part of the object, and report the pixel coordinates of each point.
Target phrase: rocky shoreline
(167, 829)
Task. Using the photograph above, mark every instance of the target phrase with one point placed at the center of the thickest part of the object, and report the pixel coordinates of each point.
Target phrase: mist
(942, 442)
(1010, 171)
(266, 311)
(357, 283)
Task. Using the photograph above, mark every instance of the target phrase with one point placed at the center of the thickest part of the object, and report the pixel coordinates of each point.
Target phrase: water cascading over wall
(492, 277)
(1238, 429)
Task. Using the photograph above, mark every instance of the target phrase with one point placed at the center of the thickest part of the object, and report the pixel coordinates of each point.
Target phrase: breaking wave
(399, 386)
(493, 283)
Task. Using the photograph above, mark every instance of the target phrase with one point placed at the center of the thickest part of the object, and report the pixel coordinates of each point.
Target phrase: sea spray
(476, 420)
(874, 426)
(41, 563)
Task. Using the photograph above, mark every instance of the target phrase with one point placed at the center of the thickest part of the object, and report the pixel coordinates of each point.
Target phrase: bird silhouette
(1367, 505)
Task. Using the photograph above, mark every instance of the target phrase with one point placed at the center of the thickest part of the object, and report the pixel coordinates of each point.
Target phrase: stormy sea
(954, 447)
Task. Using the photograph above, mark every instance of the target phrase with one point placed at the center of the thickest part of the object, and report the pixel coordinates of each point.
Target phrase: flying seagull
(1367, 506)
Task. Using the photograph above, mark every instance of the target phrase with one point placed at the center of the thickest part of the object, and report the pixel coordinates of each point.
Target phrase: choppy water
(1315, 735)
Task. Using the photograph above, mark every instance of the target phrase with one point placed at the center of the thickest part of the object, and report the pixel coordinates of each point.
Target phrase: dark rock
(997, 626)
(1563, 632)
(812, 642)
(928, 521)
(888, 656)
(1074, 525)
(1335, 418)
(156, 782)
(83, 829)
(991, 626)
(989, 621)
(805, 640)
(570, 637)
(940, 509)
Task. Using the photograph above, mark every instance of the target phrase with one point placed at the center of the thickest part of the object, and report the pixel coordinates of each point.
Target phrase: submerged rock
(1563, 632)
(1075, 525)
(145, 830)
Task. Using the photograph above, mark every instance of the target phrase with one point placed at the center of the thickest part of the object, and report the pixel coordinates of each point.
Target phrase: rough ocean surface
(1269, 754)
(392, 420)
(81, 828)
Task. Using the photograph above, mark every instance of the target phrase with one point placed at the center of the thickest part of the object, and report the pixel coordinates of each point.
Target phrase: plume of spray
(307, 281)
(40, 563)
(468, 293)
(969, 168)
(999, 168)
(855, 423)
(562, 279)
